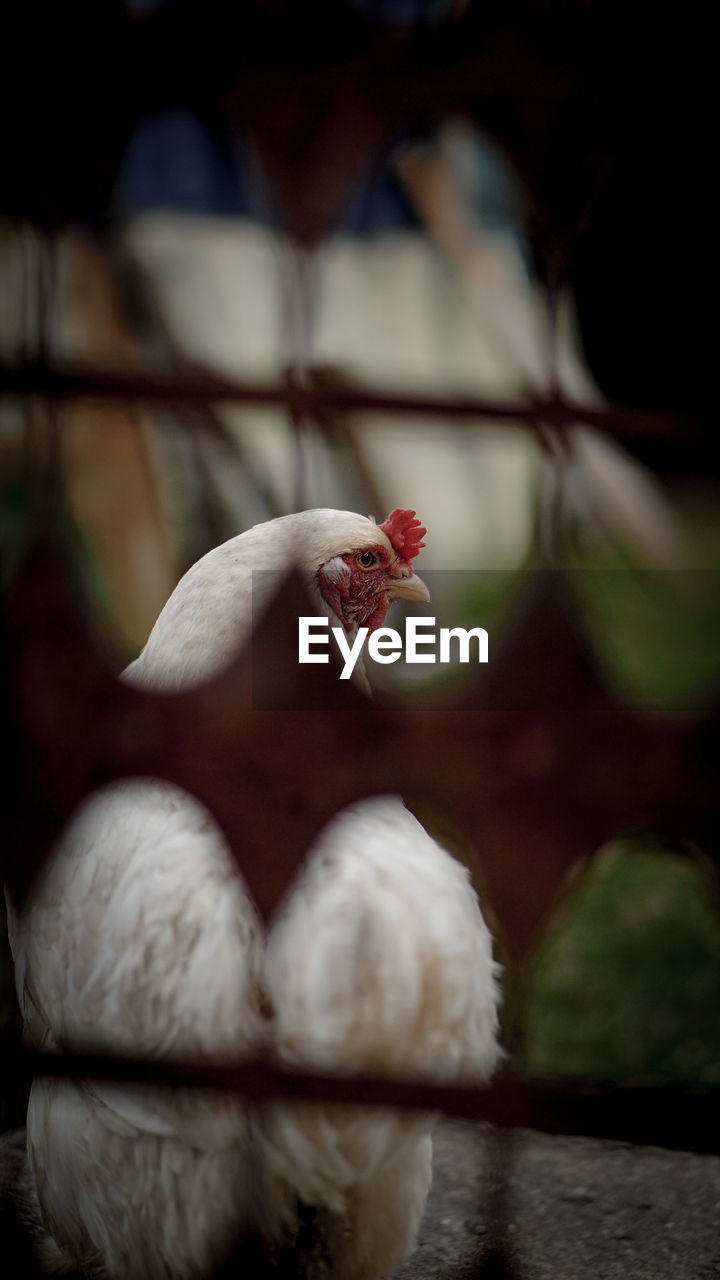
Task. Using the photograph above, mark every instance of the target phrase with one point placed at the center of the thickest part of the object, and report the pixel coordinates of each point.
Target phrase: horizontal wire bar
(667, 1116)
(76, 382)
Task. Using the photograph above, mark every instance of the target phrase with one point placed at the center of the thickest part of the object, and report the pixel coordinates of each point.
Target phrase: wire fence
(522, 769)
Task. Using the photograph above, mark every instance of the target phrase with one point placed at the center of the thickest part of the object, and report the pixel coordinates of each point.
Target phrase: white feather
(141, 937)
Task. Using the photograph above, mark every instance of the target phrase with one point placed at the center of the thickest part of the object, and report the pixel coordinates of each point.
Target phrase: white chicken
(141, 937)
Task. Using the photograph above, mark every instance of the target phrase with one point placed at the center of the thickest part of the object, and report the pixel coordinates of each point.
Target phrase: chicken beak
(411, 588)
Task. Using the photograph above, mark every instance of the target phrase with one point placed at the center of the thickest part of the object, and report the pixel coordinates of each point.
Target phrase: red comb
(405, 532)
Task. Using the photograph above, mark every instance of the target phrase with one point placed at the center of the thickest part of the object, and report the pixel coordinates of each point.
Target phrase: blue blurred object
(176, 162)
(402, 13)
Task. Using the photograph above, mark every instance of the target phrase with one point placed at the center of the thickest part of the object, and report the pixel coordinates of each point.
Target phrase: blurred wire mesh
(375, 204)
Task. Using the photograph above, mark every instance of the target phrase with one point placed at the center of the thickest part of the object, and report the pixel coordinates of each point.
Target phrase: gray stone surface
(570, 1209)
(576, 1209)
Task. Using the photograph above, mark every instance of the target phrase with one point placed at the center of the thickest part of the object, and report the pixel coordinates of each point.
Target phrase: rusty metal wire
(318, 400)
(511, 747)
(515, 749)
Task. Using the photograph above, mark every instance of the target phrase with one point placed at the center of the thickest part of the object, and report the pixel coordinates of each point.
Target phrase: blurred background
(497, 222)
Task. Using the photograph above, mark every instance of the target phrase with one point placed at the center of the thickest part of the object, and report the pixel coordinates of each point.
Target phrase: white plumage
(140, 937)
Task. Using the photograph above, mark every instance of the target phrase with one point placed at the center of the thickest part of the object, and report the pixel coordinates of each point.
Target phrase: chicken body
(141, 937)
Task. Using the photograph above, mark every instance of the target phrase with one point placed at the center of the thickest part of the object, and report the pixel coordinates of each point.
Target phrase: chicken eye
(367, 559)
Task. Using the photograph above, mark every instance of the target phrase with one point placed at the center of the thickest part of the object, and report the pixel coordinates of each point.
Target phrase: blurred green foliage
(17, 510)
(656, 634)
(625, 986)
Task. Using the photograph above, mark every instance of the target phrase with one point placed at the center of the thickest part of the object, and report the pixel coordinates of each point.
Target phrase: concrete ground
(576, 1209)
(572, 1209)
